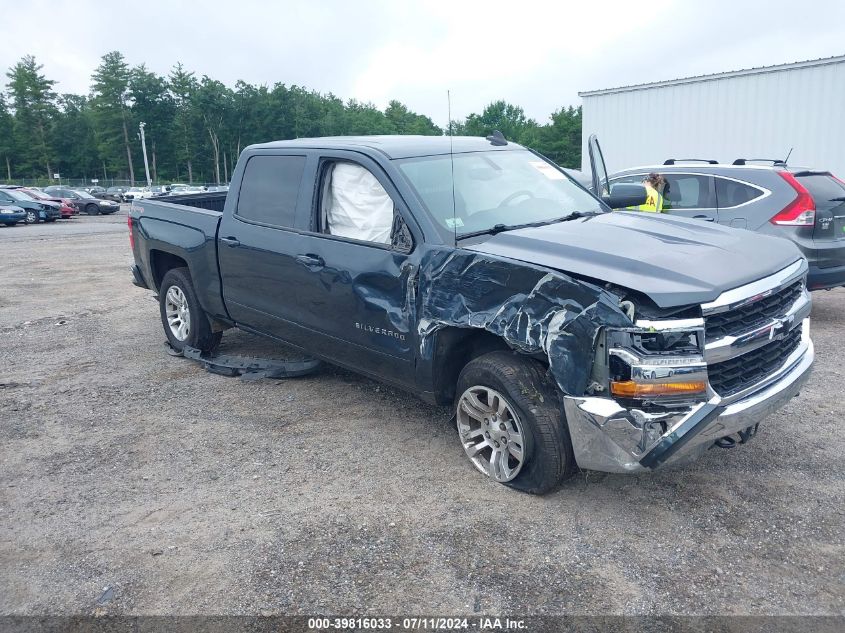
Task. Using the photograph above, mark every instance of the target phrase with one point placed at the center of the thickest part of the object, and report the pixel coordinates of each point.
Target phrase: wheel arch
(454, 347)
(161, 262)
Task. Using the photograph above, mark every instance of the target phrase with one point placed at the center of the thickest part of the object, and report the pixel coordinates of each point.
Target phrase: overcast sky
(535, 54)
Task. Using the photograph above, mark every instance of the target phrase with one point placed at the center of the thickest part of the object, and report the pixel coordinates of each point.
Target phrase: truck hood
(675, 261)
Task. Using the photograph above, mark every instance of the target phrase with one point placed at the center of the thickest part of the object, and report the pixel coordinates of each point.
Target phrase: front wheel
(92, 209)
(32, 217)
(185, 322)
(510, 422)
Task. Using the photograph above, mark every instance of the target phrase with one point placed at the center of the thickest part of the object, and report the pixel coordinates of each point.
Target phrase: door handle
(706, 218)
(230, 241)
(311, 261)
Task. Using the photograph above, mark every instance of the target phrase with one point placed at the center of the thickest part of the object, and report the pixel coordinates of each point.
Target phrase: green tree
(183, 87)
(194, 127)
(6, 131)
(509, 119)
(213, 101)
(365, 118)
(112, 113)
(406, 122)
(561, 140)
(153, 104)
(33, 101)
(75, 142)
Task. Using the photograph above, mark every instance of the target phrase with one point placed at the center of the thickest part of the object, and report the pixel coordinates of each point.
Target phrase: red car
(68, 208)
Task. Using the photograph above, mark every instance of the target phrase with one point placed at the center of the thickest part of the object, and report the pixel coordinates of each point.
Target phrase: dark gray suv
(806, 206)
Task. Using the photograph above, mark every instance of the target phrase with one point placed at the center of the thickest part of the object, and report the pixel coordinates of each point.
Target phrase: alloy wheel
(178, 313)
(491, 433)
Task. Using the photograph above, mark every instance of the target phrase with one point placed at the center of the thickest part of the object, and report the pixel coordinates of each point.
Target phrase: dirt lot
(186, 492)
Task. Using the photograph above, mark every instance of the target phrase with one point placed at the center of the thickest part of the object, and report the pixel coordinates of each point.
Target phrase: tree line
(195, 128)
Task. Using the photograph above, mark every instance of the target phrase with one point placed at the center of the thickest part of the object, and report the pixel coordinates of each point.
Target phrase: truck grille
(746, 318)
(734, 375)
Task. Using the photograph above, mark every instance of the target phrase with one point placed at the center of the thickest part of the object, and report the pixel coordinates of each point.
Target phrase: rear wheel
(510, 422)
(92, 209)
(185, 322)
(32, 217)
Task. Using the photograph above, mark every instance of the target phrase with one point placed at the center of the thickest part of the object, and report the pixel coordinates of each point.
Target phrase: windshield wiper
(840, 199)
(496, 228)
(499, 228)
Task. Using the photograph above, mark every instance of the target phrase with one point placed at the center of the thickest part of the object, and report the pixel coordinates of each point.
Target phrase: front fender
(536, 310)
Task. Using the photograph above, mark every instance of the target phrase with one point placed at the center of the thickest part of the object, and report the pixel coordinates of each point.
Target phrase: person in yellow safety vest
(654, 184)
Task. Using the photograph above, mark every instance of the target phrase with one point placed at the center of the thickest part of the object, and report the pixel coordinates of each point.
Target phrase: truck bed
(214, 201)
(173, 228)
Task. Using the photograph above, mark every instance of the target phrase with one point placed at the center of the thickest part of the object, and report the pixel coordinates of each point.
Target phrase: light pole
(144, 148)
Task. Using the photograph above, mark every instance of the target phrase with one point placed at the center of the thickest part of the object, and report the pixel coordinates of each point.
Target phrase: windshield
(17, 194)
(83, 194)
(827, 192)
(492, 188)
(36, 194)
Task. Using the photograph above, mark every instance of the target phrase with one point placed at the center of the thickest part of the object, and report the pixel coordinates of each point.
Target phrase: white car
(138, 193)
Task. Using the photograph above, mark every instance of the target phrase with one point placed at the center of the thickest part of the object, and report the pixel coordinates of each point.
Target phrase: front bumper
(608, 437)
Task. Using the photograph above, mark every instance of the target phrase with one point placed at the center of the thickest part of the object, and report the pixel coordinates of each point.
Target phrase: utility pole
(144, 148)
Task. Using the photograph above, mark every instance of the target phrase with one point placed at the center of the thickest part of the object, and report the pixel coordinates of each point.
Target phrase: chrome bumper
(608, 437)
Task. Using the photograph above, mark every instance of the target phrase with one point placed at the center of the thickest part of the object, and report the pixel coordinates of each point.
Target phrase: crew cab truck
(475, 273)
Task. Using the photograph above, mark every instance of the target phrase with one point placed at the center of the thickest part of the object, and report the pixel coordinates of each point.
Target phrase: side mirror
(625, 195)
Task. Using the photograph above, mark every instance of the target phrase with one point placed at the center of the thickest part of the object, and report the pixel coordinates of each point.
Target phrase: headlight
(661, 365)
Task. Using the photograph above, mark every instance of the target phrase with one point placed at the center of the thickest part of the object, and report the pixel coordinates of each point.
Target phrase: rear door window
(269, 190)
(688, 191)
(731, 193)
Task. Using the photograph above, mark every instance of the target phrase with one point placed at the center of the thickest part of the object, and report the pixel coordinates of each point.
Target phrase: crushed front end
(670, 388)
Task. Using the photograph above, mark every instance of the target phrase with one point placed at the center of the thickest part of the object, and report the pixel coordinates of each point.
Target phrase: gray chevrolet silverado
(475, 273)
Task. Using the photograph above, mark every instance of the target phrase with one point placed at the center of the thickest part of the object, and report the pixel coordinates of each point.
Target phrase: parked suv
(804, 205)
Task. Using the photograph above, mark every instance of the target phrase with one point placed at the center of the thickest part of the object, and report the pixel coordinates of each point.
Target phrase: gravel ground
(184, 492)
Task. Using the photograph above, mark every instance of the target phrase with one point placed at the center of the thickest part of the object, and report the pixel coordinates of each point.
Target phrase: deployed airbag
(358, 206)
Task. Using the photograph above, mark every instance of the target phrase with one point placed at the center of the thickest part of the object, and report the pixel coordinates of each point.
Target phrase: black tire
(92, 209)
(199, 333)
(530, 391)
(50, 220)
(32, 217)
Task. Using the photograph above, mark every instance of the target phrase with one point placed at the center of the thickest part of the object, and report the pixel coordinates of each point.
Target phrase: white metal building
(754, 113)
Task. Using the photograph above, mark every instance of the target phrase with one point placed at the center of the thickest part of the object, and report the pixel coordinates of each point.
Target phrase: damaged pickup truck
(477, 274)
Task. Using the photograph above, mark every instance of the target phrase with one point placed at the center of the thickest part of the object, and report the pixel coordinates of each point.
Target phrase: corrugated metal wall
(758, 115)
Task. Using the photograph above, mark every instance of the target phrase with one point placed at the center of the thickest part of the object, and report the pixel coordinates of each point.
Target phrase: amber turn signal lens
(631, 389)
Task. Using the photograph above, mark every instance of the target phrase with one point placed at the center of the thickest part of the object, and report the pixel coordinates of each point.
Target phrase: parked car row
(31, 205)
(127, 194)
(84, 201)
(19, 205)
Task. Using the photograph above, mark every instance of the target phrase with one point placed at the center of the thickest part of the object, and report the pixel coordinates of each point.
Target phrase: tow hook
(743, 437)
